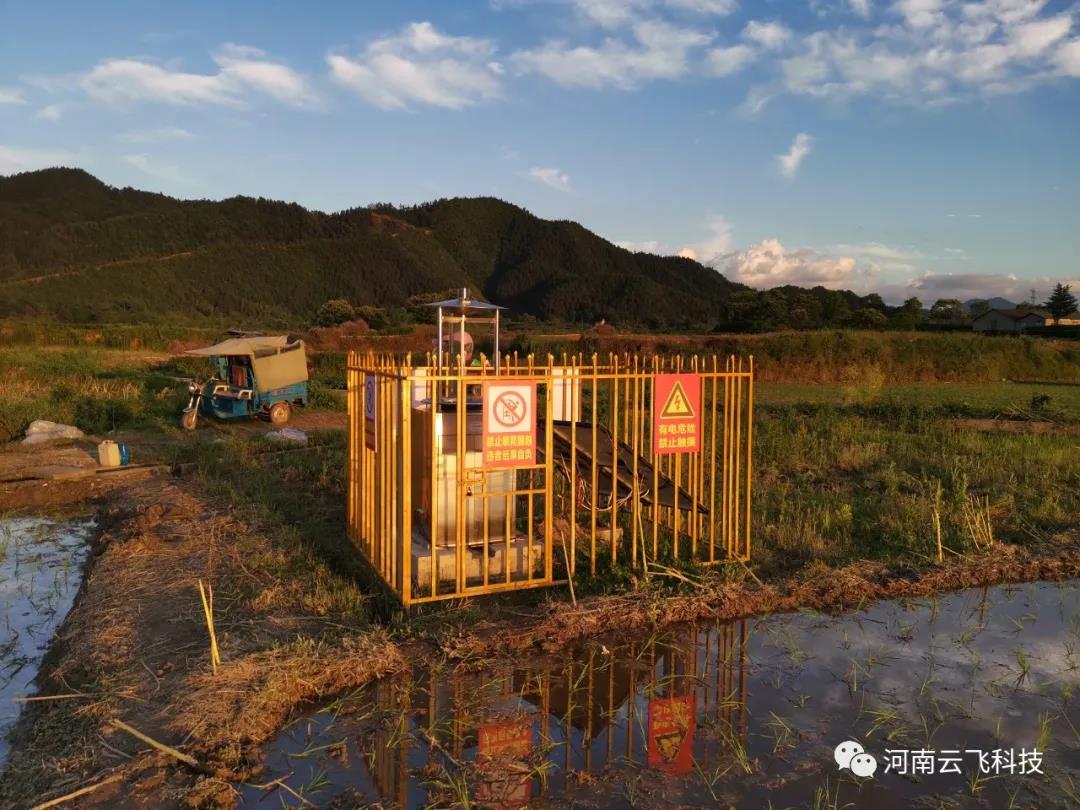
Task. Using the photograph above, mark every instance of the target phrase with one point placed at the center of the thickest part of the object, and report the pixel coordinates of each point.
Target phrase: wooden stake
(38, 698)
(166, 749)
(569, 572)
(937, 528)
(207, 595)
(116, 777)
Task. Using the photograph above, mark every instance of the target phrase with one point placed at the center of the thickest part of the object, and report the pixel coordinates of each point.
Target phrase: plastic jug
(125, 457)
(109, 454)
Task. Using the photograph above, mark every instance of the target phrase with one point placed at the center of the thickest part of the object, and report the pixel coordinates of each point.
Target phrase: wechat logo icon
(850, 754)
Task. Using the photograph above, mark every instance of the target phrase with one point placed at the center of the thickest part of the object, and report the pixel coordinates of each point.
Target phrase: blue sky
(909, 147)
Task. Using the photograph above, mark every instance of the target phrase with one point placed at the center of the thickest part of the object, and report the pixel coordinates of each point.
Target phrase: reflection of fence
(577, 715)
(438, 521)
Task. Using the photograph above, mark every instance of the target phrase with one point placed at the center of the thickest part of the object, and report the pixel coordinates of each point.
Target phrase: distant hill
(993, 303)
(77, 250)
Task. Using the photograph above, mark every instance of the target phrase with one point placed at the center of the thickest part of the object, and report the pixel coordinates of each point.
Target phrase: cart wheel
(279, 413)
(188, 419)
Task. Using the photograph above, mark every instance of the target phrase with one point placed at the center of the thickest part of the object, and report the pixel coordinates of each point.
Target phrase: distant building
(1017, 320)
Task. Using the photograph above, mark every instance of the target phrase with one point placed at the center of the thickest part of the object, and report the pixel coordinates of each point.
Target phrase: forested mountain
(75, 249)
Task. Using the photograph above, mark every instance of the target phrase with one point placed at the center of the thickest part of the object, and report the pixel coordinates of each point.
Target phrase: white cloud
(943, 52)
(14, 160)
(709, 249)
(646, 246)
(790, 161)
(610, 13)
(119, 81)
(769, 35)
(860, 7)
(659, 50)
(552, 178)
(244, 65)
(11, 95)
(1035, 38)
(920, 13)
(770, 264)
(756, 100)
(156, 135)
(158, 169)
(712, 247)
(877, 250)
(116, 81)
(725, 61)
(881, 257)
(51, 112)
(614, 13)
(862, 267)
(926, 52)
(719, 8)
(1068, 58)
(421, 65)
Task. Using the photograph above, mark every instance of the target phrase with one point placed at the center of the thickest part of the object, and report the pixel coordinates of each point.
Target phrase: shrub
(334, 311)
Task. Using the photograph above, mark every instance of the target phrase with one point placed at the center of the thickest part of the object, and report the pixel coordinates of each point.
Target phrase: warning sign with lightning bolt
(676, 413)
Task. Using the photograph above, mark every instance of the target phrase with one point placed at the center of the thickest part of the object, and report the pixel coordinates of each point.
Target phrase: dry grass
(252, 696)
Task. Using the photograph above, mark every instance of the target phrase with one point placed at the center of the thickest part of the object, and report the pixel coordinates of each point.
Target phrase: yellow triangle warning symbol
(677, 405)
(670, 744)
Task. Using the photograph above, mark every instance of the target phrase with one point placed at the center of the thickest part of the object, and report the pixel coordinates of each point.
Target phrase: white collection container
(109, 454)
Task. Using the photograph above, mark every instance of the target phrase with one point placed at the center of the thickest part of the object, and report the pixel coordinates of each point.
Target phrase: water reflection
(739, 714)
(521, 733)
(40, 573)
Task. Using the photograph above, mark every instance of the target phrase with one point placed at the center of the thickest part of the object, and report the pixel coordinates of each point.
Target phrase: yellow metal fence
(437, 522)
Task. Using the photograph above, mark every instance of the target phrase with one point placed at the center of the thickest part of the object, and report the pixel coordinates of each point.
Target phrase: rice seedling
(737, 748)
(800, 701)
(1024, 664)
(630, 790)
(1072, 792)
(977, 781)
(824, 799)
(1042, 743)
(781, 732)
(710, 778)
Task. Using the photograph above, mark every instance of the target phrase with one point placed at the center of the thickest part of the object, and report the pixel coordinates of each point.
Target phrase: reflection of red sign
(510, 424)
(676, 413)
(504, 747)
(370, 400)
(671, 733)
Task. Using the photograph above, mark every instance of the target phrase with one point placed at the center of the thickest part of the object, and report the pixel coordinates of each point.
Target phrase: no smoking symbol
(510, 409)
(369, 397)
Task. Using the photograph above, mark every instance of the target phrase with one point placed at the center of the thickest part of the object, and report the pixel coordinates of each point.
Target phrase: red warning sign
(676, 413)
(370, 400)
(672, 722)
(502, 751)
(510, 424)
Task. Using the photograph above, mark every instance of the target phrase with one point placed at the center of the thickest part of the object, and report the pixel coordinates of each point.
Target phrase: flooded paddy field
(964, 700)
(41, 568)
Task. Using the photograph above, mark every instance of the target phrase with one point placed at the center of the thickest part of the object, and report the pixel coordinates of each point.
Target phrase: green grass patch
(836, 487)
(983, 399)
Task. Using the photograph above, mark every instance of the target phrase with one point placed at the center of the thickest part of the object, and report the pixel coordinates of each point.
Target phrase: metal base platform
(446, 560)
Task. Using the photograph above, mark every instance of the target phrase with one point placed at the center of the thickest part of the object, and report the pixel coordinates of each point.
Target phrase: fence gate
(467, 481)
